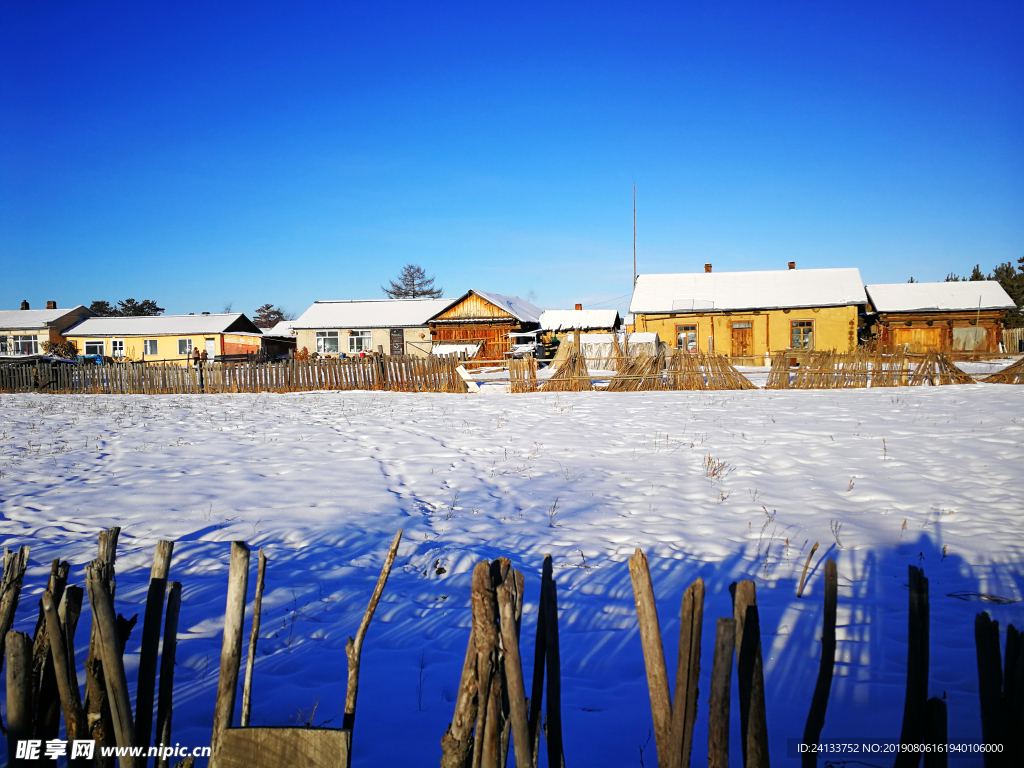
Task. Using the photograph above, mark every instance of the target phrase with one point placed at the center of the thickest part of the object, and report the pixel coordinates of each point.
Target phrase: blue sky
(206, 154)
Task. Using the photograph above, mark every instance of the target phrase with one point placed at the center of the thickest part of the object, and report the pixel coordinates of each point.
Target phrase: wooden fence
(1013, 341)
(401, 374)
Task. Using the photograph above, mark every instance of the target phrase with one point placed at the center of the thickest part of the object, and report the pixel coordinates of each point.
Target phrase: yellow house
(396, 326)
(166, 338)
(752, 314)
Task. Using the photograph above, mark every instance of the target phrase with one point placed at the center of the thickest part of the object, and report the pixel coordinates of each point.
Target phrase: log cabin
(965, 317)
(478, 324)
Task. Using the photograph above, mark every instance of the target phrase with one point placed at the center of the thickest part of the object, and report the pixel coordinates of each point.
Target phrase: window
(26, 345)
(94, 348)
(686, 337)
(184, 346)
(803, 334)
(149, 347)
(327, 342)
(359, 341)
(117, 347)
(3, 346)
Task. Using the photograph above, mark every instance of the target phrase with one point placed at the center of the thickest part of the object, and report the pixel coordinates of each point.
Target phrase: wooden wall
(493, 336)
(473, 307)
(924, 332)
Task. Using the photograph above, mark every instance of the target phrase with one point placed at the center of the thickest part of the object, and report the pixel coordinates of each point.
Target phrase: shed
(950, 317)
(484, 320)
(398, 326)
(752, 314)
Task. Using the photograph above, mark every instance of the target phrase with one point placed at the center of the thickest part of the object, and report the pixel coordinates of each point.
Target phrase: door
(742, 339)
(397, 341)
(211, 348)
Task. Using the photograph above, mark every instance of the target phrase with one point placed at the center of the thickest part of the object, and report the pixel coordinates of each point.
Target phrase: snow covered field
(724, 485)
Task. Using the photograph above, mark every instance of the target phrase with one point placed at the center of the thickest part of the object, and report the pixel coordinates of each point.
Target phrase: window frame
(102, 345)
(689, 329)
(322, 339)
(807, 333)
(117, 348)
(150, 346)
(20, 342)
(360, 335)
(188, 347)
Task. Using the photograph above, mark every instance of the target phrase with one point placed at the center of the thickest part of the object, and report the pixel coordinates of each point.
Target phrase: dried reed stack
(1012, 375)
(695, 370)
(643, 373)
(572, 375)
(936, 369)
(522, 375)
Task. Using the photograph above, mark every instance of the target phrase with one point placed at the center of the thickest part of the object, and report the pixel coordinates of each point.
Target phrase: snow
(374, 313)
(963, 295)
(441, 350)
(927, 475)
(156, 325)
(584, 319)
(520, 309)
(730, 291)
(284, 329)
(33, 318)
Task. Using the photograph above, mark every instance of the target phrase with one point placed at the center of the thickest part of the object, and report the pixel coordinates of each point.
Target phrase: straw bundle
(1012, 375)
(695, 370)
(571, 376)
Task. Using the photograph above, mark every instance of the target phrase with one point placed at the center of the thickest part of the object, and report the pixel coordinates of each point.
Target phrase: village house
(483, 325)
(168, 338)
(952, 317)
(23, 331)
(559, 326)
(280, 339)
(396, 326)
(752, 314)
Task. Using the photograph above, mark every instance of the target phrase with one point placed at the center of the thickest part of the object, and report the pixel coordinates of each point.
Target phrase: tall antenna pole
(634, 233)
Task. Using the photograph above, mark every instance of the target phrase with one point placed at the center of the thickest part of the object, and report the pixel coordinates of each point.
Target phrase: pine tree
(268, 316)
(413, 283)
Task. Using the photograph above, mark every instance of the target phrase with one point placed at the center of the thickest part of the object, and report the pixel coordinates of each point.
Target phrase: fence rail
(401, 374)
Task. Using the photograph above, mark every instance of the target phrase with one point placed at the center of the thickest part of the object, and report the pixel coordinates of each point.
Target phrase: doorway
(742, 339)
(397, 341)
(211, 348)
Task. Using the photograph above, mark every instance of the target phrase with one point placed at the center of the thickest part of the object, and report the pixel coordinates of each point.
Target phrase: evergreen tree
(268, 316)
(413, 283)
(127, 308)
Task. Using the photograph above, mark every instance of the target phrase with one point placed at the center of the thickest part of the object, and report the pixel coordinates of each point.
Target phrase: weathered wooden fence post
(819, 702)
(750, 675)
(721, 683)
(231, 648)
(149, 653)
(917, 670)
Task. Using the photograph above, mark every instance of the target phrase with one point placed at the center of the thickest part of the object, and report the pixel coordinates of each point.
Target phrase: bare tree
(413, 283)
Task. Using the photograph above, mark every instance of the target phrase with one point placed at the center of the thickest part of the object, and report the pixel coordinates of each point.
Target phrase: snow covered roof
(606, 338)
(35, 318)
(284, 329)
(164, 325)
(373, 313)
(569, 319)
(725, 291)
(520, 309)
(965, 295)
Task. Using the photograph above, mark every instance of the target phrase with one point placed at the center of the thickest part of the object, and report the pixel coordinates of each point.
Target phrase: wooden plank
(750, 676)
(19, 693)
(254, 636)
(64, 667)
(165, 700)
(268, 747)
(823, 686)
(654, 655)
(105, 622)
(149, 652)
(990, 685)
(684, 708)
(514, 675)
(916, 698)
(721, 683)
(231, 647)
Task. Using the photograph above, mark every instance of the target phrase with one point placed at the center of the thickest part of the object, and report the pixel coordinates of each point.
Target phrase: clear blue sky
(206, 153)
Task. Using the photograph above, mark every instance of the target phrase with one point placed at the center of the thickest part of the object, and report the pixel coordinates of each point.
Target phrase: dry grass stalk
(522, 375)
(571, 376)
(1012, 375)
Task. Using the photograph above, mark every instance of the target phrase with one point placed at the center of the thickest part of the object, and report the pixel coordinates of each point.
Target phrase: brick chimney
(24, 305)
(792, 265)
(51, 305)
(707, 268)
(579, 307)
